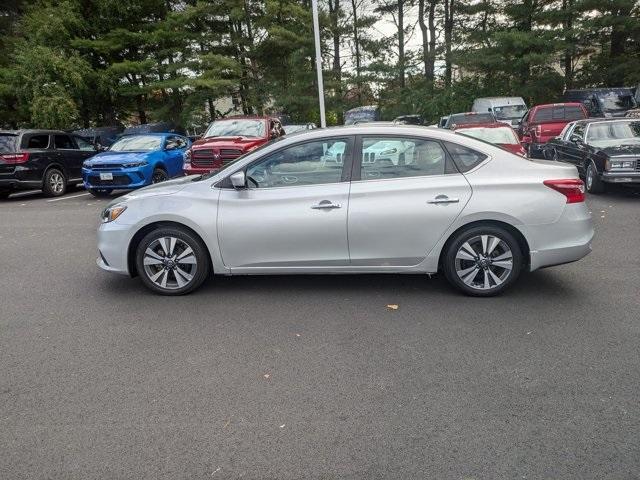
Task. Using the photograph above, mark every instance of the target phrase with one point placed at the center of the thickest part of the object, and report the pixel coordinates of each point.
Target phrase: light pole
(316, 34)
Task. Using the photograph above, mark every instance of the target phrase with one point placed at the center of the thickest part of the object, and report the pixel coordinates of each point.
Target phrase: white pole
(316, 33)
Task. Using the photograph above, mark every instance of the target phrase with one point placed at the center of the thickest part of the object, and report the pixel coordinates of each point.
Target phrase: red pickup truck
(544, 122)
(227, 139)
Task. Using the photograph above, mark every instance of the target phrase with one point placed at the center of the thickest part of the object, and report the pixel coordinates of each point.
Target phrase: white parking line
(67, 198)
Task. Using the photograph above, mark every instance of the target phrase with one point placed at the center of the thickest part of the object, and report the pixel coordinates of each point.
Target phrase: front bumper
(628, 178)
(564, 241)
(198, 170)
(113, 246)
(123, 178)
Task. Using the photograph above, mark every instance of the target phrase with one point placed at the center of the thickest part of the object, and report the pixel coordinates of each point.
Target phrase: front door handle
(326, 205)
(443, 199)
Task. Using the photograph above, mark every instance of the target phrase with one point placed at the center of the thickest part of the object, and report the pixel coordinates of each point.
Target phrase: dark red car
(227, 139)
(544, 122)
(497, 133)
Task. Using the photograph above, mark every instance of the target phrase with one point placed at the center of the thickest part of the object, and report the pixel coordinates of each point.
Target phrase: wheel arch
(517, 234)
(146, 229)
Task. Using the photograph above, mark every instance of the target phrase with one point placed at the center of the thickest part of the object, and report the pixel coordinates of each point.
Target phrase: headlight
(109, 214)
(86, 165)
(620, 164)
(134, 164)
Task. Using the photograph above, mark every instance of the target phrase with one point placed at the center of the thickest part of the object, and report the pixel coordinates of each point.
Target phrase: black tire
(175, 270)
(159, 175)
(54, 183)
(474, 284)
(100, 192)
(4, 195)
(593, 182)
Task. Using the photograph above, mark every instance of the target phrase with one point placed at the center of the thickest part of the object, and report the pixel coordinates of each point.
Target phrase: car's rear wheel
(55, 183)
(4, 194)
(483, 261)
(172, 261)
(592, 180)
(159, 175)
(100, 192)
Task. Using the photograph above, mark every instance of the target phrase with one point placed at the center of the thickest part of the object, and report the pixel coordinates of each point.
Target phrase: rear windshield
(559, 113)
(467, 119)
(8, 143)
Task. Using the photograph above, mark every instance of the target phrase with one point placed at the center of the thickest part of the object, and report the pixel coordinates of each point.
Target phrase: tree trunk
(356, 46)
(567, 26)
(334, 14)
(401, 59)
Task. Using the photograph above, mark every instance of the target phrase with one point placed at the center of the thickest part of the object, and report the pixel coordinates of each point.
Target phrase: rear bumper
(11, 184)
(20, 178)
(564, 241)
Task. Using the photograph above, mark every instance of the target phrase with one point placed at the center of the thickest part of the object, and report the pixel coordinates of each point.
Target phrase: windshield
(240, 127)
(492, 135)
(137, 143)
(613, 133)
(509, 112)
(616, 102)
(8, 143)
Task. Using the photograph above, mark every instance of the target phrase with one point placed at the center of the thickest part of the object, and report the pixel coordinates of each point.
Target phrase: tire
(4, 195)
(159, 175)
(592, 181)
(468, 268)
(100, 192)
(54, 183)
(162, 250)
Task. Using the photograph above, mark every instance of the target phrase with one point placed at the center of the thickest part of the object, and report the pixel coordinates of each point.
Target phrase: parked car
(605, 151)
(368, 113)
(289, 129)
(47, 160)
(227, 139)
(408, 120)
(135, 161)
(443, 121)
(497, 133)
(544, 122)
(508, 110)
(455, 204)
(100, 136)
(604, 102)
(469, 118)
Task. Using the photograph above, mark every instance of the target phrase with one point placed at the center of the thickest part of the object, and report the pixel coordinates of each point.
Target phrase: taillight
(13, 158)
(572, 188)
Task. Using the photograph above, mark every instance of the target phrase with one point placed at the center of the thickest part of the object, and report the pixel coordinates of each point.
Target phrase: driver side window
(310, 163)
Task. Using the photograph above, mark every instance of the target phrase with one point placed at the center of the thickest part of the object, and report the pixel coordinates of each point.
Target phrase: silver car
(436, 202)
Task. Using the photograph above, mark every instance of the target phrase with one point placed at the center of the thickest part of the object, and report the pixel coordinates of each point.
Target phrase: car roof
(482, 125)
(247, 117)
(605, 120)
(563, 104)
(33, 130)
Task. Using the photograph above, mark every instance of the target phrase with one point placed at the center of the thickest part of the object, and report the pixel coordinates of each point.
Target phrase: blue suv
(135, 161)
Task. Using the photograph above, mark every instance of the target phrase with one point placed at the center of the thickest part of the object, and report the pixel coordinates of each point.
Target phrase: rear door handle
(443, 199)
(326, 205)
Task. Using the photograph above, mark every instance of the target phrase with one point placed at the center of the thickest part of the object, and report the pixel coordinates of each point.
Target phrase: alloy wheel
(170, 263)
(158, 176)
(56, 182)
(484, 262)
(589, 179)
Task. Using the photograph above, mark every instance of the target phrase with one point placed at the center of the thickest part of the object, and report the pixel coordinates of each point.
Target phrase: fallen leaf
(392, 306)
(266, 375)
(282, 426)
(297, 334)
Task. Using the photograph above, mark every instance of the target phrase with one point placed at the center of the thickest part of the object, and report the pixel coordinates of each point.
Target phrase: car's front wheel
(592, 180)
(482, 261)
(172, 261)
(159, 175)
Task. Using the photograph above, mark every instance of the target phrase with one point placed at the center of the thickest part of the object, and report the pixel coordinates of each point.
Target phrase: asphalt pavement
(313, 377)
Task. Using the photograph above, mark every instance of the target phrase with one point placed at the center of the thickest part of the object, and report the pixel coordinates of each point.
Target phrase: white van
(507, 110)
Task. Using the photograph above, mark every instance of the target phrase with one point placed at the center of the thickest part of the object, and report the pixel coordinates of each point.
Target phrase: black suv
(41, 159)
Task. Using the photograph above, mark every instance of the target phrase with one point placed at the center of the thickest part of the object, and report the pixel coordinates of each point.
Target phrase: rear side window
(464, 158)
(64, 142)
(36, 141)
(8, 143)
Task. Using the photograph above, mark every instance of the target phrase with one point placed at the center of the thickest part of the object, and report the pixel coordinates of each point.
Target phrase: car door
(398, 210)
(573, 147)
(87, 149)
(69, 155)
(174, 149)
(293, 213)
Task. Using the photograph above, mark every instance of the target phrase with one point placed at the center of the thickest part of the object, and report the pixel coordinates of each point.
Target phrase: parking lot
(313, 377)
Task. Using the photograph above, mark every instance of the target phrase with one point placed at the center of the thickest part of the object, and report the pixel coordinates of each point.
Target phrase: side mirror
(170, 146)
(239, 180)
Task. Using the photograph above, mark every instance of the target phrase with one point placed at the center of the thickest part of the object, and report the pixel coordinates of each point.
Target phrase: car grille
(117, 180)
(105, 167)
(210, 158)
(638, 165)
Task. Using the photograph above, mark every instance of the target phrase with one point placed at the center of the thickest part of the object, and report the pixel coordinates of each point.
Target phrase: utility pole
(316, 34)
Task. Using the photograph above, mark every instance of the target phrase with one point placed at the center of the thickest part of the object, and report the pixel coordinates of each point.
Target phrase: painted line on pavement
(67, 198)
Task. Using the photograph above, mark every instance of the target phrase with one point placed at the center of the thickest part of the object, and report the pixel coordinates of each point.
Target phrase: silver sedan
(428, 201)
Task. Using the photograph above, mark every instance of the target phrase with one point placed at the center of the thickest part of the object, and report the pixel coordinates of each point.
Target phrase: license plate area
(106, 176)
